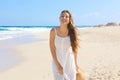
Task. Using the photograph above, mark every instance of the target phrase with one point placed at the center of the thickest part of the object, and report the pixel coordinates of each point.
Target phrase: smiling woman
(64, 48)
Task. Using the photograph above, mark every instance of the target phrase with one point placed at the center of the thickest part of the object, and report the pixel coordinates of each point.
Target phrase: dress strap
(55, 31)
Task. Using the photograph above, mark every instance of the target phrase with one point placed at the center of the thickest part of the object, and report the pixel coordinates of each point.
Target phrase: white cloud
(95, 14)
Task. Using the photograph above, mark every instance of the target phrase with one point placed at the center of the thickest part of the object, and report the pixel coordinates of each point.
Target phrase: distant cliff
(107, 25)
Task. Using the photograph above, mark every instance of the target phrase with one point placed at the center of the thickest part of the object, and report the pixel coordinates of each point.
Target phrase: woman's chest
(62, 42)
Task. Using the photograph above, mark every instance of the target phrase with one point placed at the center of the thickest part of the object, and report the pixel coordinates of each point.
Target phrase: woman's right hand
(60, 70)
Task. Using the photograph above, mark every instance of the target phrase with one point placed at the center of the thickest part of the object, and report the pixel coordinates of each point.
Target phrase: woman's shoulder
(54, 29)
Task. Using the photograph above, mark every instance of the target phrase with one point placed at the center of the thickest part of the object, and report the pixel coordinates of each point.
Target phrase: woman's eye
(65, 16)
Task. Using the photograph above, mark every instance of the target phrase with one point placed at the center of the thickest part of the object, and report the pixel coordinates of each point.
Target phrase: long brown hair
(72, 32)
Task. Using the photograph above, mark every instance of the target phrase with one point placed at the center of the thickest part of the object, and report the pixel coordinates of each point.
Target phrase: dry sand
(99, 55)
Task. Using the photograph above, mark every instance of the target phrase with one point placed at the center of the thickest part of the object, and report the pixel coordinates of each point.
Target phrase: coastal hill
(108, 24)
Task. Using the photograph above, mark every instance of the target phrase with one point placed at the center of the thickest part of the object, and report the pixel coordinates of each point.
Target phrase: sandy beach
(99, 55)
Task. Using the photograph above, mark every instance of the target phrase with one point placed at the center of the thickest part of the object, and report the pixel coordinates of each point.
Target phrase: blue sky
(47, 12)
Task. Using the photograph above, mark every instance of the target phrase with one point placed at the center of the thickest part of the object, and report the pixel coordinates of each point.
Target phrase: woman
(64, 47)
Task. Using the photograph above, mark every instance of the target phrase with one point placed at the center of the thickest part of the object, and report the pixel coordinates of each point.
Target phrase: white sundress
(65, 57)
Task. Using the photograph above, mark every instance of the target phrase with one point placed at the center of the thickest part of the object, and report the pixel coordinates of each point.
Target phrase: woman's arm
(76, 61)
(78, 69)
(52, 49)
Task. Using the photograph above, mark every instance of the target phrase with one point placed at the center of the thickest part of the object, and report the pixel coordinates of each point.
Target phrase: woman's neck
(63, 28)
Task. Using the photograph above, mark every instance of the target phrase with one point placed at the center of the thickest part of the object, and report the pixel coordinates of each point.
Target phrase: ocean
(7, 32)
(31, 28)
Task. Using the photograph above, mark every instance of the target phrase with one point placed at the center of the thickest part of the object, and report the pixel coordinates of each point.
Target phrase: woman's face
(64, 18)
